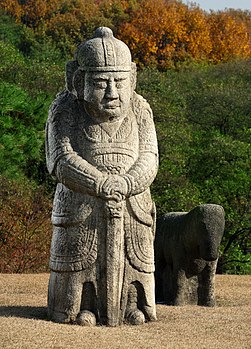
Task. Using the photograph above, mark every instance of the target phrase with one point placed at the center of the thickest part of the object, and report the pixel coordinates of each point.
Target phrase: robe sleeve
(63, 161)
(142, 173)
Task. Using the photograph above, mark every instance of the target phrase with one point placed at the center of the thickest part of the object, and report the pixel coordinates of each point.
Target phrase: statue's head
(105, 76)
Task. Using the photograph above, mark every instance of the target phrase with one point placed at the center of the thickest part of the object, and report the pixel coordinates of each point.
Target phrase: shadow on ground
(39, 313)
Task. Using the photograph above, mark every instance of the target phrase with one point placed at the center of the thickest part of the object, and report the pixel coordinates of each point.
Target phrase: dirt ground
(24, 325)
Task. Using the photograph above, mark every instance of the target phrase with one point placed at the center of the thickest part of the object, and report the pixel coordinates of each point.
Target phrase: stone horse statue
(186, 255)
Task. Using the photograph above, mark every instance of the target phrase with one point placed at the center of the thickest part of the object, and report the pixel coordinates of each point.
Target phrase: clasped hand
(114, 188)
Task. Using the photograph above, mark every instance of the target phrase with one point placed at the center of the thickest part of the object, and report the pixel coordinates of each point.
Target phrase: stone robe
(80, 154)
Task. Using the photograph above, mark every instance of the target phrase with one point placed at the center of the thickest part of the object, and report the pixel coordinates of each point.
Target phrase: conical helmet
(104, 53)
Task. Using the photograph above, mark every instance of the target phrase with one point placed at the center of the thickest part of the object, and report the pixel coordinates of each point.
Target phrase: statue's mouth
(111, 106)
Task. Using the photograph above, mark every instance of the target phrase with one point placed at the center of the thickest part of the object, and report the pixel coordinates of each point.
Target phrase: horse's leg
(168, 285)
(206, 285)
(179, 286)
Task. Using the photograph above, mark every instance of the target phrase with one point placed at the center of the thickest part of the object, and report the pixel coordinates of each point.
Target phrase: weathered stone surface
(101, 147)
(186, 252)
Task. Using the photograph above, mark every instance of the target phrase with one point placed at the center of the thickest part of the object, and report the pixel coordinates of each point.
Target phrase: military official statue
(101, 147)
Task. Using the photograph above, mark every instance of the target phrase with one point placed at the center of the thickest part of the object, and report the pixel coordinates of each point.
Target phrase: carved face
(107, 95)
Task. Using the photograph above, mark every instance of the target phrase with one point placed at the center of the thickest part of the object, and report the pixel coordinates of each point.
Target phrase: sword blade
(115, 262)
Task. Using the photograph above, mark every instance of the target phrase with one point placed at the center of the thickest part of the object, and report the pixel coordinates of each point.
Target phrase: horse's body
(186, 255)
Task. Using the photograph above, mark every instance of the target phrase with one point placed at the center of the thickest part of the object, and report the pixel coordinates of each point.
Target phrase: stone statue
(101, 147)
(186, 255)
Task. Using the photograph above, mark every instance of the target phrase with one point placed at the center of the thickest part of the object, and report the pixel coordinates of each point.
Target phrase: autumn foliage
(161, 32)
(166, 32)
(31, 12)
(25, 228)
(229, 37)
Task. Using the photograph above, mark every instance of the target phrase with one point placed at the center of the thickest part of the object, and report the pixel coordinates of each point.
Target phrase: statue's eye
(121, 83)
(100, 84)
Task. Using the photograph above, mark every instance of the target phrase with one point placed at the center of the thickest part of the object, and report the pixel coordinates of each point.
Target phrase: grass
(24, 324)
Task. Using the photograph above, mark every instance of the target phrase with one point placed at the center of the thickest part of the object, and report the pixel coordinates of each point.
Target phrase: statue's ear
(79, 83)
(70, 69)
(133, 76)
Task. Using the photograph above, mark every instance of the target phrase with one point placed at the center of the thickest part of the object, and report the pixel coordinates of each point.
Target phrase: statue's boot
(134, 316)
(64, 296)
(88, 309)
(86, 318)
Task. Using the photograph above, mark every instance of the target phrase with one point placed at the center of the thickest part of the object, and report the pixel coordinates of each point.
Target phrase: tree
(172, 189)
(197, 41)
(163, 33)
(230, 39)
(117, 12)
(242, 16)
(153, 32)
(74, 23)
(31, 12)
(218, 156)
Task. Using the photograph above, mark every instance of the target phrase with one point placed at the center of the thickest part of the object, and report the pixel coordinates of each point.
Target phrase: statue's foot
(86, 318)
(61, 318)
(136, 317)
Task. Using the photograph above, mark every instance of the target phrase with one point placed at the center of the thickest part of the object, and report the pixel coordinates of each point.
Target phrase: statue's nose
(111, 90)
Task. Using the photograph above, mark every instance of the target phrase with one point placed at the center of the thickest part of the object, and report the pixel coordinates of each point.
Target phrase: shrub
(21, 131)
(25, 228)
(202, 116)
